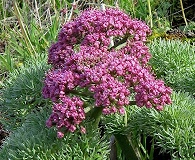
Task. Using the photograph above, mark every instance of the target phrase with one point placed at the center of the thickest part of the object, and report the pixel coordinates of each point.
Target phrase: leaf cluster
(21, 93)
(173, 129)
(33, 140)
(174, 62)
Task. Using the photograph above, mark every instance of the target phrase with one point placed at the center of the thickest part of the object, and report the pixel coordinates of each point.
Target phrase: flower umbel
(86, 66)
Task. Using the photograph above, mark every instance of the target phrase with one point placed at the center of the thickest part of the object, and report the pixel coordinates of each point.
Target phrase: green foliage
(29, 28)
(36, 30)
(22, 92)
(6, 61)
(5, 11)
(173, 129)
(174, 62)
(153, 12)
(34, 141)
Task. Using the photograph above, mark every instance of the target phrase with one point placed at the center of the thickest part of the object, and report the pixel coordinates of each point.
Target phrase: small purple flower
(60, 134)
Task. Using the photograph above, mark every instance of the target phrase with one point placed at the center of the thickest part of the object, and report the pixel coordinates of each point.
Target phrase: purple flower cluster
(68, 113)
(82, 58)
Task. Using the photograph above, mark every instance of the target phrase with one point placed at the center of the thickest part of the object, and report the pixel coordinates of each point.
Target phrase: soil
(3, 134)
(2, 47)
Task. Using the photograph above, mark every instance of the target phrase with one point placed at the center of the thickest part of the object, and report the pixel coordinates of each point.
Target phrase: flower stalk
(150, 13)
(183, 13)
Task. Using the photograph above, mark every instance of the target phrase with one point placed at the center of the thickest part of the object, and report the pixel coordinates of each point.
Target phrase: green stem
(183, 13)
(95, 115)
(119, 43)
(125, 119)
(133, 8)
(150, 13)
(23, 29)
(126, 147)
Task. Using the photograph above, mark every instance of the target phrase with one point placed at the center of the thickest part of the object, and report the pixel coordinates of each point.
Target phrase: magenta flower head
(87, 69)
